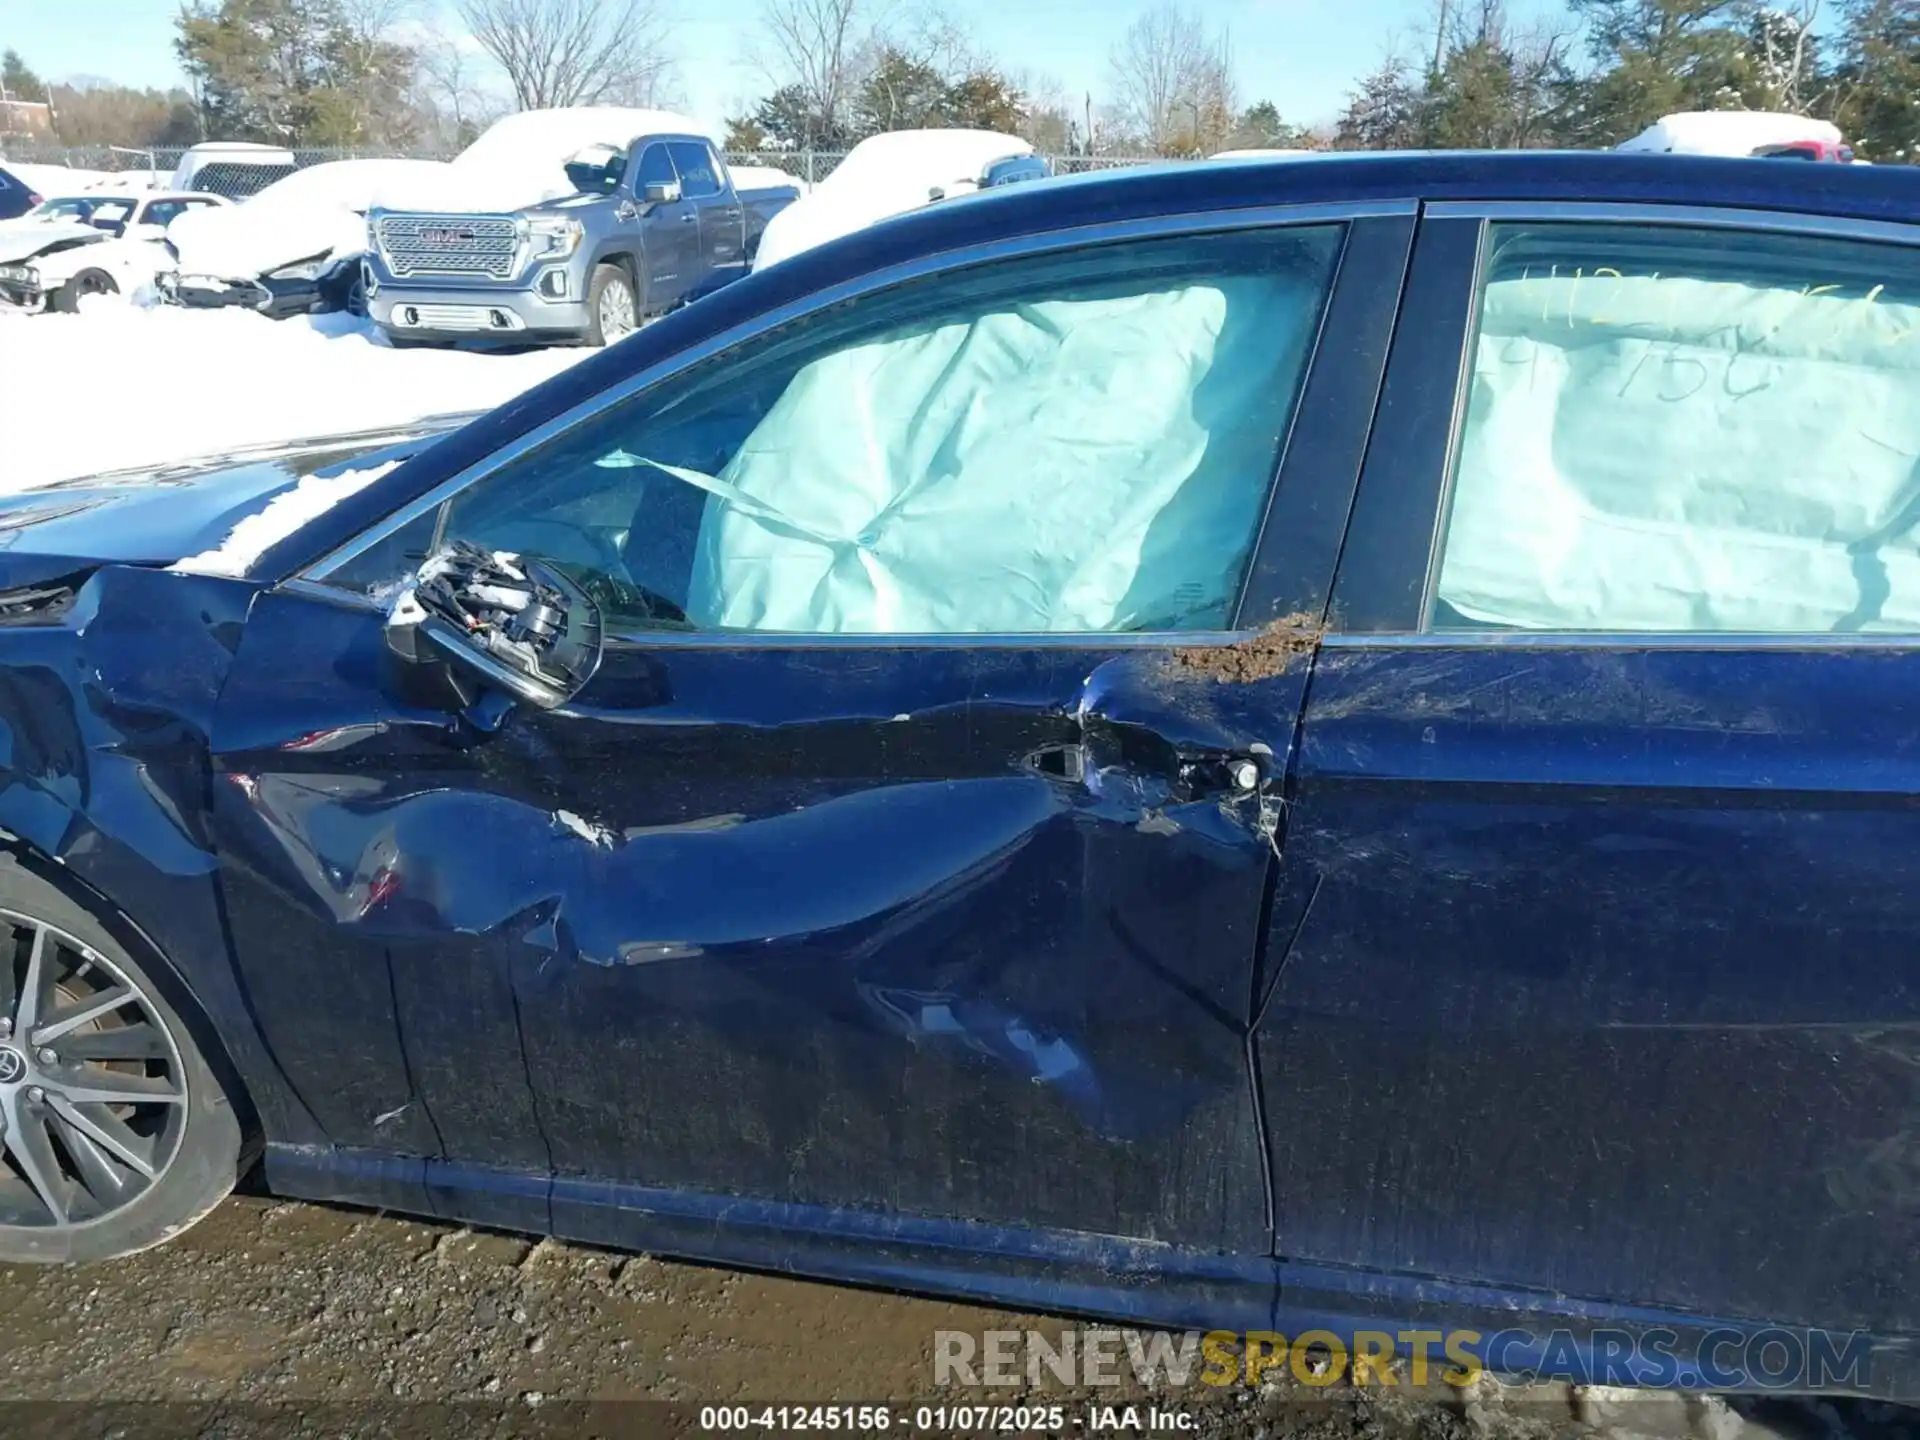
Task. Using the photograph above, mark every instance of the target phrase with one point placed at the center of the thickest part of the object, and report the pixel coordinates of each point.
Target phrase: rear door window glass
(1678, 430)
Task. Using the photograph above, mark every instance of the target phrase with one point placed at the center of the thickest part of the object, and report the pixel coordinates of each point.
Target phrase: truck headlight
(555, 239)
(301, 269)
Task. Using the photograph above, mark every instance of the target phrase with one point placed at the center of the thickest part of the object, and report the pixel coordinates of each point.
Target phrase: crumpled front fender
(107, 689)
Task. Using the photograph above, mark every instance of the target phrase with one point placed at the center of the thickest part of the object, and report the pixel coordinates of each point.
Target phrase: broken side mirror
(495, 629)
(661, 192)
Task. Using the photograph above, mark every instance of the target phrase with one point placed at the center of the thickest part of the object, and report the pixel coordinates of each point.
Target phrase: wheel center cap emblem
(13, 1066)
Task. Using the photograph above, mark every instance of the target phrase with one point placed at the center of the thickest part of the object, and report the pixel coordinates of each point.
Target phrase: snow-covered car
(65, 250)
(67, 180)
(1731, 133)
(887, 175)
(293, 249)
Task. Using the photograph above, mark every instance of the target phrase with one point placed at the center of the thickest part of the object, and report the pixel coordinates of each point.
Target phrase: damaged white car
(73, 246)
(293, 249)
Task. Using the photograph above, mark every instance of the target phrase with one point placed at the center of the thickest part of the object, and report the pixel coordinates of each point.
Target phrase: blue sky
(1301, 54)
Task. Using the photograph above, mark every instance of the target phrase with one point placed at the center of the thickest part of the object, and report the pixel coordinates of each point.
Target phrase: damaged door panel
(801, 924)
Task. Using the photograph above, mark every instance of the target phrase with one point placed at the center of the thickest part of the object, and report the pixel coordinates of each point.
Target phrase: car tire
(118, 1135)
(67, 298)
(610, 282)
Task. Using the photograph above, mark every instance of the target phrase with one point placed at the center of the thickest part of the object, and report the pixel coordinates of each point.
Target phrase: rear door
(722, 221)
(1596, 965)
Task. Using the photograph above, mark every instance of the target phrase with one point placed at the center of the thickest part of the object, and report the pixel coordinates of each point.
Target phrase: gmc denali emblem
(447, 237)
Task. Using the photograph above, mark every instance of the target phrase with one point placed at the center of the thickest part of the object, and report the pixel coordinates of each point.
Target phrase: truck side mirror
(661, 192)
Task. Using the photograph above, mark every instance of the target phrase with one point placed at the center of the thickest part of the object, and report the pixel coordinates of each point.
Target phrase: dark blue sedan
(1243, 746)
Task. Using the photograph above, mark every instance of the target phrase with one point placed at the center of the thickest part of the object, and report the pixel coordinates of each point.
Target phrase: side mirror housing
(661, 192)
(499, 629)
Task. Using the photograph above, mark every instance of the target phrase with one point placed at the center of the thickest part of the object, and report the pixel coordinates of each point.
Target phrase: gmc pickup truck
(653, 221)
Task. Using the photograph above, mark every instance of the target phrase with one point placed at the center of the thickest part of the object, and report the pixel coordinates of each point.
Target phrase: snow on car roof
(1728, 132)
(551, 136)
(882, 176)
(906, 158)
(521, 159)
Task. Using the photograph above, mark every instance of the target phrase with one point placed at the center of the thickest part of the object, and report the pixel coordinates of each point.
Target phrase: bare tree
(453, 89)
(1783, 43)
(820, 49)
(1173, 79)
(377, 51)
(574, 52)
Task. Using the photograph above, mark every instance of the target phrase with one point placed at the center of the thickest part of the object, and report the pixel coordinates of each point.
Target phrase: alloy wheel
(616, 311)
(93, 1094)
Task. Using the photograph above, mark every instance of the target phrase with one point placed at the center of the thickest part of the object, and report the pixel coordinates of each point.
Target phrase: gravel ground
(280, 1319)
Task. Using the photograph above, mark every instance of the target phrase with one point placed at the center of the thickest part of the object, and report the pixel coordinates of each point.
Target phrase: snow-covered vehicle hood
(24, 239)
(166, 514)
(521, 161)
(884, 176)
(318, 211)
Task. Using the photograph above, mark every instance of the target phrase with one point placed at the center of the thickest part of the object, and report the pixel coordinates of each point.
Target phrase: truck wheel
(613, 313)
(66, 299)
(117, 1134)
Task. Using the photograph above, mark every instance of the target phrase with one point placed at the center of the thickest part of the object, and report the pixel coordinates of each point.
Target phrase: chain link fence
(811, 166)
(162, 159)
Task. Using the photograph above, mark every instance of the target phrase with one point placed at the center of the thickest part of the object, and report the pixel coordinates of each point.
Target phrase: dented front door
(950, 930)
(958, 932)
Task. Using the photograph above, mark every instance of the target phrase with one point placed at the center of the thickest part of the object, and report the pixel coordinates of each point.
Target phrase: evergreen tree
(1383, 112)
(17, 80)
(1874, 91)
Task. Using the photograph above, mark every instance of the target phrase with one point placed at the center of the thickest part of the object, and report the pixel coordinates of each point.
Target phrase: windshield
(69, 209)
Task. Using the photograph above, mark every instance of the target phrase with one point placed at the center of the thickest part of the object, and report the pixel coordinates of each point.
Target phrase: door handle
(688, 218)
(1234, 774)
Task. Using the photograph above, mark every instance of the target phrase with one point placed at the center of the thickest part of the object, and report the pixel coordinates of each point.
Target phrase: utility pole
(1440, 38)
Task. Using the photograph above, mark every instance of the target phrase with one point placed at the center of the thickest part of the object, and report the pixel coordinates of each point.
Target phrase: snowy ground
(118, 385)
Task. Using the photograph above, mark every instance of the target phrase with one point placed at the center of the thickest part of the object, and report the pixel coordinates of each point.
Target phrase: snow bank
(883, 176)
(312, 212)
(1727, 132)
(766, 177)
(120, 386)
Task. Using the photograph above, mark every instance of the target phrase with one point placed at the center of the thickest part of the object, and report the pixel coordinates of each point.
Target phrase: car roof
(1146, 192)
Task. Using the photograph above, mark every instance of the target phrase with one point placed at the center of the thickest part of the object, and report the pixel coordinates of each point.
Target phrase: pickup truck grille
(483, 246)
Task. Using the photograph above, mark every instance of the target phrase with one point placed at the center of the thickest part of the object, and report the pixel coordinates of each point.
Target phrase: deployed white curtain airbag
(1085, 465)
(1678, 455)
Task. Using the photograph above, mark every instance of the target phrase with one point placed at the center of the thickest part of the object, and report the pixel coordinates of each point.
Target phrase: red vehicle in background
(1821, 150)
